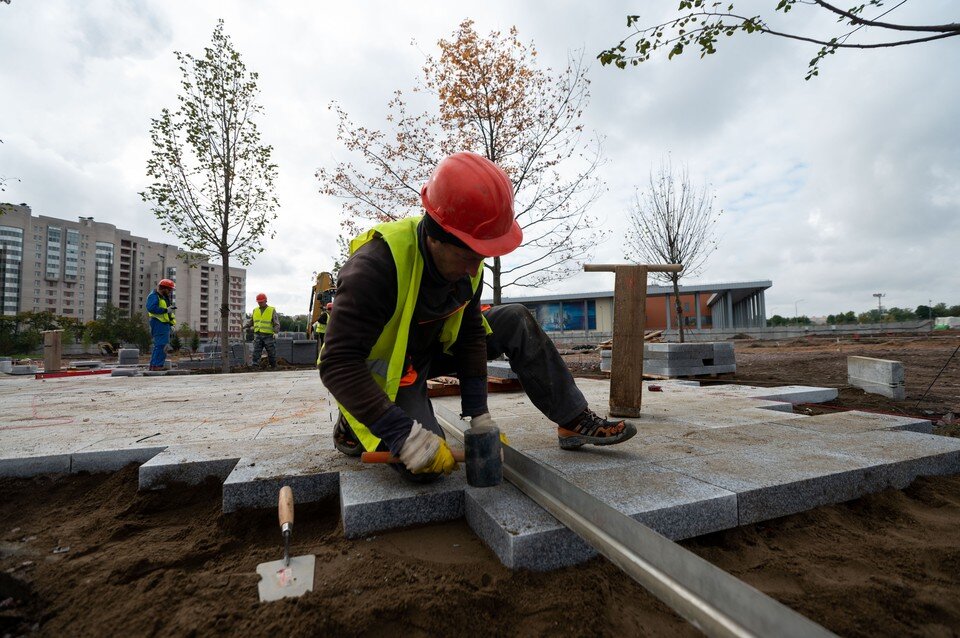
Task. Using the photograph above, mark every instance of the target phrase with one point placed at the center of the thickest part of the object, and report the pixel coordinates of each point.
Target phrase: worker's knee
(512, 317)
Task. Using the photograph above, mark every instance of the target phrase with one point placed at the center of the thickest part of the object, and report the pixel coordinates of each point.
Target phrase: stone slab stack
(500, 370)
(877, 376)
(284, 349)
(129, 357)
(303, 352)
(688, 359)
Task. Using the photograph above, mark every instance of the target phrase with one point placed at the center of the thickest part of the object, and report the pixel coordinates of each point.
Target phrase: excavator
(321, 293)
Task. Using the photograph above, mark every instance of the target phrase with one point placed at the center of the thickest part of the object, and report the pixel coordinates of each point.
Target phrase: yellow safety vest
(263, 320)
(163, 317)
(387, 357)
(321, 327)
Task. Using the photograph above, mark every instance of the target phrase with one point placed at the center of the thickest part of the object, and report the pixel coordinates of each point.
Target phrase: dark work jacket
(366, 300)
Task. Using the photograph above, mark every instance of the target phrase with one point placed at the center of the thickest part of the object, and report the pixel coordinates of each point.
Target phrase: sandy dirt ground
(87, 555)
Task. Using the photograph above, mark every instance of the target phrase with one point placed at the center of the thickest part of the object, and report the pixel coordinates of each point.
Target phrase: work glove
(425, 452)
(486, 421)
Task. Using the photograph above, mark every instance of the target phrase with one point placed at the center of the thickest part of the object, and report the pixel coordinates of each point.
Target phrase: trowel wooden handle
(285, 505)
(386, 457)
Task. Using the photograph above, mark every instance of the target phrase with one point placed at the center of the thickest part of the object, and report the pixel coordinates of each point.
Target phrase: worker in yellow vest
(160, 309)
(320, 325)
(266, 323)
(408, 309)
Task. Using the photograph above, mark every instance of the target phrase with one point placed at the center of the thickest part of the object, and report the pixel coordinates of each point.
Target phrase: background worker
(320, 325)
(266, 323)
(160, 310)
(388, 338)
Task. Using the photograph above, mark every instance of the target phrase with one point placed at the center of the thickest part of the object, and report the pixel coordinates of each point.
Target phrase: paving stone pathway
(705, 459)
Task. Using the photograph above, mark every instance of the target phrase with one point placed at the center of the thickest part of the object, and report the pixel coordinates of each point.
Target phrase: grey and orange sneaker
(590, 428)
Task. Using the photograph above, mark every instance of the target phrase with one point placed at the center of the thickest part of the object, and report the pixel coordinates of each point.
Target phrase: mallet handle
(386, 457)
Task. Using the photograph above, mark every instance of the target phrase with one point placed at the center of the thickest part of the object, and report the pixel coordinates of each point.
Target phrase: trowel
(293, 575)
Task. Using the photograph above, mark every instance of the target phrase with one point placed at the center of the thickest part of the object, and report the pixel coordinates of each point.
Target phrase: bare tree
(672, 223)
(213, 183)
(702, 22)
(491, 99)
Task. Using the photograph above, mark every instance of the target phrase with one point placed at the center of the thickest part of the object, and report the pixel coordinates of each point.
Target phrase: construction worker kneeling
(408, 309)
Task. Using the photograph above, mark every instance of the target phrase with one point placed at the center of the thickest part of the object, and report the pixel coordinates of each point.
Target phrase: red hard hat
(261, 297)
(330, 306)
(167, 283)
(472, 199)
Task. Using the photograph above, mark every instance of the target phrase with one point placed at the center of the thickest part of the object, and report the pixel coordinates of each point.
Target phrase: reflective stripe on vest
(263, 320)
(163, 317)
(388, 355)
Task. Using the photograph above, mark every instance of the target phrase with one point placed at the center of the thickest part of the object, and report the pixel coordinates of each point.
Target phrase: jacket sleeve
(471, 346)
(471, 355)
(153, 303)
(366, 299)
(276, 321)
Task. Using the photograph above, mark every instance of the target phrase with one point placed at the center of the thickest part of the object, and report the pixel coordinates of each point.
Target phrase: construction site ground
(85, 553)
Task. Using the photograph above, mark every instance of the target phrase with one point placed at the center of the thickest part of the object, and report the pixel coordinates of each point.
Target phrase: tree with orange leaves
(494, 100)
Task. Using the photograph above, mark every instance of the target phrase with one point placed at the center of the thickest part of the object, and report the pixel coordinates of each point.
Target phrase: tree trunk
(225, 313)
(676, 295)
(496, 281)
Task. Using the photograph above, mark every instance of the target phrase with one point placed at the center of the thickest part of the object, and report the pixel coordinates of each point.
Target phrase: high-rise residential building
(74, 268)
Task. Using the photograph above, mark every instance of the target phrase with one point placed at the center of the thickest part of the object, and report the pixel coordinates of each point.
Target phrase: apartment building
(74, 268)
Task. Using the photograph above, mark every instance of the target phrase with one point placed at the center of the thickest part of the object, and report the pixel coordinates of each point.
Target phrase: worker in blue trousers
(160, 309)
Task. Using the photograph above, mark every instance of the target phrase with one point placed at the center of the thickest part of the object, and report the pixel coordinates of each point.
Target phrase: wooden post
(629, 322)
(52, 350)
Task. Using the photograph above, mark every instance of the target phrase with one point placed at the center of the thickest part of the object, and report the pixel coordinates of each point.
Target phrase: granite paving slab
(377, 499)
(522, 534)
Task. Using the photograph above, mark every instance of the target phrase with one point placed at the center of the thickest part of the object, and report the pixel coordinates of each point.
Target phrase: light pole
(796, 312)
(879, 296)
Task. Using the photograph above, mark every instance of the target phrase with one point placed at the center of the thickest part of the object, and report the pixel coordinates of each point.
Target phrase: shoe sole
(349, 451)
(578, 441)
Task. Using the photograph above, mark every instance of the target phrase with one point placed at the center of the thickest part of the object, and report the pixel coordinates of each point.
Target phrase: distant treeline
(874, 316)
(22, 334)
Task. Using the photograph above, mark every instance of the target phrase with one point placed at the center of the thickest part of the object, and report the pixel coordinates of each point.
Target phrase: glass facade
(11, 260)
(54, 246)
(71, 262)
(559, 316)
(104, 276)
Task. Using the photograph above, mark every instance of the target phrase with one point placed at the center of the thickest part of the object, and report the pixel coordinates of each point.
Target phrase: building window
(104, 288)
(54, 247)
(11, 260)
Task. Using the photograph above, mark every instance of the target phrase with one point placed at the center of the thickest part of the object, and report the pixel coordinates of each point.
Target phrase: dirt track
(170, 564)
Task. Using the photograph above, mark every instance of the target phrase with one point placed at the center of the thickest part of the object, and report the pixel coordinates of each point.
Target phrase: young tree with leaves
(494, 100)
(672, 222)
(213, 178)
(702, 22)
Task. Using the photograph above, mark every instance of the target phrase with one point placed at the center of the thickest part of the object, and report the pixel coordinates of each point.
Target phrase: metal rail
(706, 596)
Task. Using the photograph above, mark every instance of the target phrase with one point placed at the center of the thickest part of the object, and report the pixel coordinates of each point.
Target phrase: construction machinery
(321, 293)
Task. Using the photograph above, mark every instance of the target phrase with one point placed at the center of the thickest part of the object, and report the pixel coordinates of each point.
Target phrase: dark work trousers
(533, 357)
(261, 341)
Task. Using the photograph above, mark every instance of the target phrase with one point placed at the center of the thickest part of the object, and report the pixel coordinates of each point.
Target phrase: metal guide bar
(709, 598)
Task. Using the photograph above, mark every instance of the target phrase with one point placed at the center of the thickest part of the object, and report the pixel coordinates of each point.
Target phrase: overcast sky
(834, 189)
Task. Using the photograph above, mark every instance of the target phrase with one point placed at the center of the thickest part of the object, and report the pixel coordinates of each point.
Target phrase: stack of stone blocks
(688, 359)
(877, 376)
(128, 357)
